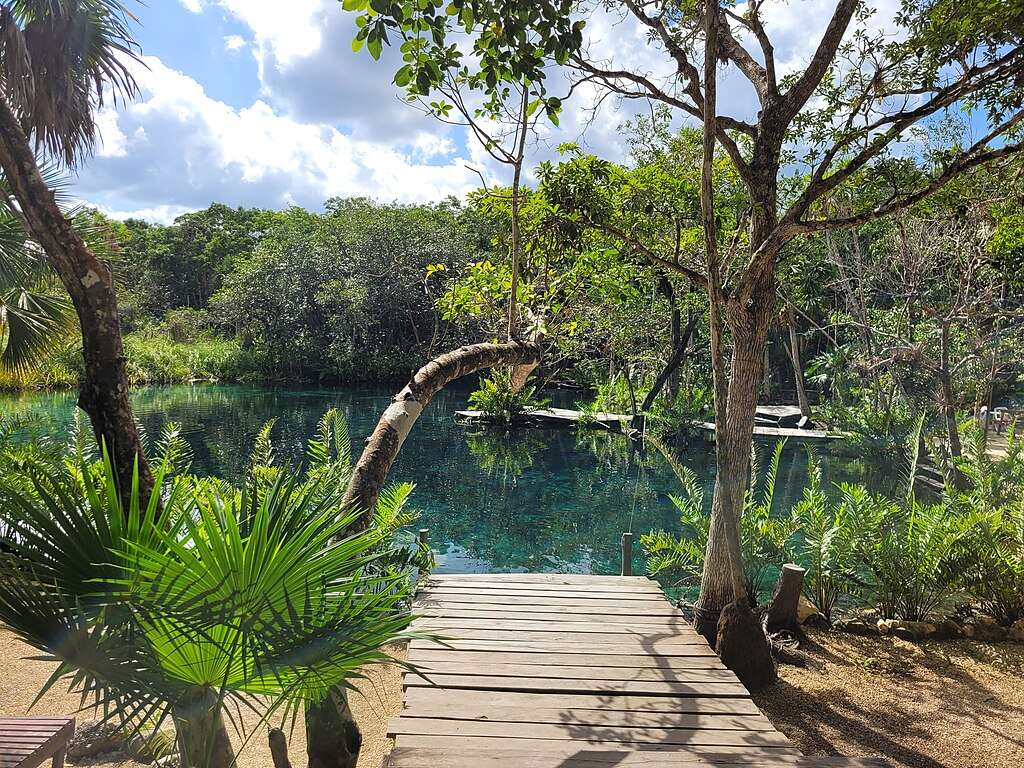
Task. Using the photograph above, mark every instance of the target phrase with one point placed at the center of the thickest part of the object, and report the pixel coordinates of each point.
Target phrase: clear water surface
(553, 500)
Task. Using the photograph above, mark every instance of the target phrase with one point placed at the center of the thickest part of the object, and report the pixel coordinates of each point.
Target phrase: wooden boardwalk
(566, 671)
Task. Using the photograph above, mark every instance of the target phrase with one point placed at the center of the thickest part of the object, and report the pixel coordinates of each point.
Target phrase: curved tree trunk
(103, 392)
(396, 422)
(332, 737)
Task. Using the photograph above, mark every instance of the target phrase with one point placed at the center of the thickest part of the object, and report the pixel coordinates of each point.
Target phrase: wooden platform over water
(567, 671)
(619, 422)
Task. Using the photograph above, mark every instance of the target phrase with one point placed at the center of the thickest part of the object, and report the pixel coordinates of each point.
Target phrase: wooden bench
(28, 742)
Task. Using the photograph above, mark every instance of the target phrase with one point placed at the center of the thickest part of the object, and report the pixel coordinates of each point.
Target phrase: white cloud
(194, 6)
(234, 42)
(179, 149)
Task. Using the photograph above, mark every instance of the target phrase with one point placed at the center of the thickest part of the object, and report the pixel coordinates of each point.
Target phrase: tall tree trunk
(202, 735)
(798, 366)
(520, 374)
(103, 393)
(739, 640)
(722, 579)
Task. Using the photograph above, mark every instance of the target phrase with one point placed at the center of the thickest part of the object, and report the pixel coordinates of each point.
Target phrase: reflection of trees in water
(540, 499)
(501, 454)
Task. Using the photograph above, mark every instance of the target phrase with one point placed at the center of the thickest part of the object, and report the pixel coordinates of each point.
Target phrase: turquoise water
(493, 500)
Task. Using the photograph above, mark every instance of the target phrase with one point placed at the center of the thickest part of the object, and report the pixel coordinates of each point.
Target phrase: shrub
(763, 535)
(829, 532)
(259, 596)
(992, 559)
(498, 401)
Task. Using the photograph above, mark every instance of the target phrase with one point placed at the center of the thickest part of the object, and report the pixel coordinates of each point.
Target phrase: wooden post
(627, 554)
(782, 610)
(424, 536)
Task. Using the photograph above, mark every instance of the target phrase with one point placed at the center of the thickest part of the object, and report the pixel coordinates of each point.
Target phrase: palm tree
(259, 596)
(33, 321)
(58, 62)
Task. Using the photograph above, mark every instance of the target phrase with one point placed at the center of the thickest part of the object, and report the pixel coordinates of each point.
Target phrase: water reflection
(537, 500)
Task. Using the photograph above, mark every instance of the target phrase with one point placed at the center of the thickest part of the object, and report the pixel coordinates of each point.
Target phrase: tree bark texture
(278, 748)
(743, 647)
(333, 739)
(103, 393)
(203, 739)
(782, 610)
(396, 422)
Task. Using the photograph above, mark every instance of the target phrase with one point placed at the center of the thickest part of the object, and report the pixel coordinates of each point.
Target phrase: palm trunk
(202, 735)
(103, 392)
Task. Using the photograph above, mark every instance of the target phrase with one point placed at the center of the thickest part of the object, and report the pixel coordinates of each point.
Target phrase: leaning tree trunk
(332, 736)
(103, 391)
(671, 368)
(396, 422)
(203, 740)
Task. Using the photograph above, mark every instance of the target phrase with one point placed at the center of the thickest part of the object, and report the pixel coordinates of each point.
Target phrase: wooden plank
(571, 685)
(675, 627)
(615, 718)
(429, 669)
(595, 637)
(469, 745)
(469, 596)
(635, 661)
(610, 756)
(443, 700)
(627, 646)
(642, 587)
(525, 590)
(688, 736)
(537, 578)
(444, 607)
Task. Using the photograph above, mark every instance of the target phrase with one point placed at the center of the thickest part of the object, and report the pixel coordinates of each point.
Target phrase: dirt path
(379, 697)
(935, 705)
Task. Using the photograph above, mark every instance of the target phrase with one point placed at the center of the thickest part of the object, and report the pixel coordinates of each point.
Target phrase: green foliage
(992, 557)
(911, 558)
(764, 535)
(260, 594)
(496, 398)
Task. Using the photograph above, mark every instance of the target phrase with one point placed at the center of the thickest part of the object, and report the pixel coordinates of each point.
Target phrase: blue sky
(263, 103)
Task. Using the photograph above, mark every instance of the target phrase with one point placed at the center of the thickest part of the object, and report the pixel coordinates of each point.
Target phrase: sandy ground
(379, 698)
(935, 705)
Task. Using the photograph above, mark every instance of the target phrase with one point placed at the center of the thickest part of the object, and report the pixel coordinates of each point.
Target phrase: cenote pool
(529, 499)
